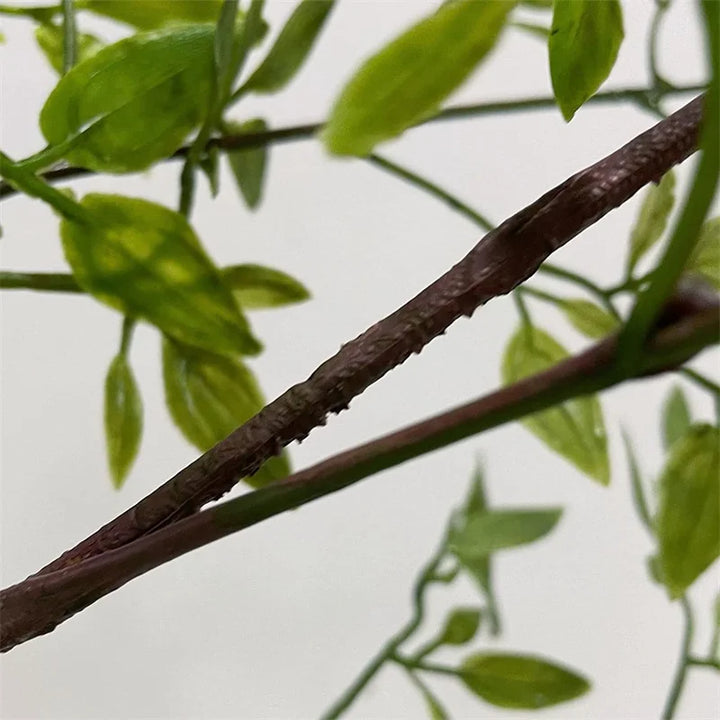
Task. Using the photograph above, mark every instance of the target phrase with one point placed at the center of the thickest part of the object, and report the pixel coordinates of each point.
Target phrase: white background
(276, 621)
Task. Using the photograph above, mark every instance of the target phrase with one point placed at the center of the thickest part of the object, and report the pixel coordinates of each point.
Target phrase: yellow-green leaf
(520, 681)
(675, 418)
(210, 395)
(705, 259)
(652, 219)
(146, 261)
(460, 626)
(688, 520)
(292, 47)
(584, 41)
(588, 318)
(152, 14)
(575, 429)
(123, 418)
(408, 79)
(133, 102)
(50, 39)
(256, 286)
(248, 166)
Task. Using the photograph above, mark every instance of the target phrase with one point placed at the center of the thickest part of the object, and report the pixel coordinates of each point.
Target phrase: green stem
(525, 318)
(704, 382)
(127, 332)
(602, 295)
(424, 690)
(389, 649)
(427, 667)
(427, 648)
(704, 662)
(659, 84)
(55, 282)
(433, 189)
(69, 35)
(32, 185)
(630, 284)
(687, 230)
(542, 295)
(683, 662)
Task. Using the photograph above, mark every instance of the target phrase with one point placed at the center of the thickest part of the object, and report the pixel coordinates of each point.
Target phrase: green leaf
(152, 14)
(145, 260)
(133, 102)
(588, 318)
(461, 626)
(688, 520)
(50, 39)
(408, 79)
(705, 259)
(638, 492)
(210, 165)
(574, 429)
(256, 286)
(676, 417)
(123, 418)
(584, 41)
(520, 681)
(652, 219)
(210, 395)
(248, 166)
(292, 47)
(496, 530)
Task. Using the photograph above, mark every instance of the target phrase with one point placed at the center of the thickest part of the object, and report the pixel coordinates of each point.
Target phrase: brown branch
(37, 605)
(499, 262)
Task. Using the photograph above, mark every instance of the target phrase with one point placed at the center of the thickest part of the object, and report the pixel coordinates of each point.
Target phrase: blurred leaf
(652, 219)
(588, 318)
(584, 43)
(123, 418)
(688, 520)
(248, 166)
(210, 395)
(705, 259)
(256, 286)
(408, 79)
(676, 417)
(638, 493)
(541, 32)
(210, 165)
(50, 40)
(461, 626)
(435, 710)
(520, 681)
(133, 102)
(152, 14)
(292, 47)
(496, 530)
(574, 429)
(145, 260)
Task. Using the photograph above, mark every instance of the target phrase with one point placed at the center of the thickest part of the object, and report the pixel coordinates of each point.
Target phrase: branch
(246, 141)
(38, 604)
(503, 259)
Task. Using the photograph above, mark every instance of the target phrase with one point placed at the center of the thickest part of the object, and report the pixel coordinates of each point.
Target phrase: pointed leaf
(688, 520)
(574, 429)
(51, 42)
(638, 492)
(152, 14)
(676, 417)
(103, 108)
(584, 41)
(123, 418)
(248, 166)
(408, 79)
(520, 681)
(256, 286)
(589, 319)
(210, 395)
(460, 627)
(292, 47)
(146, 261)
(705, 259)
(500, 529)
(652, 219)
